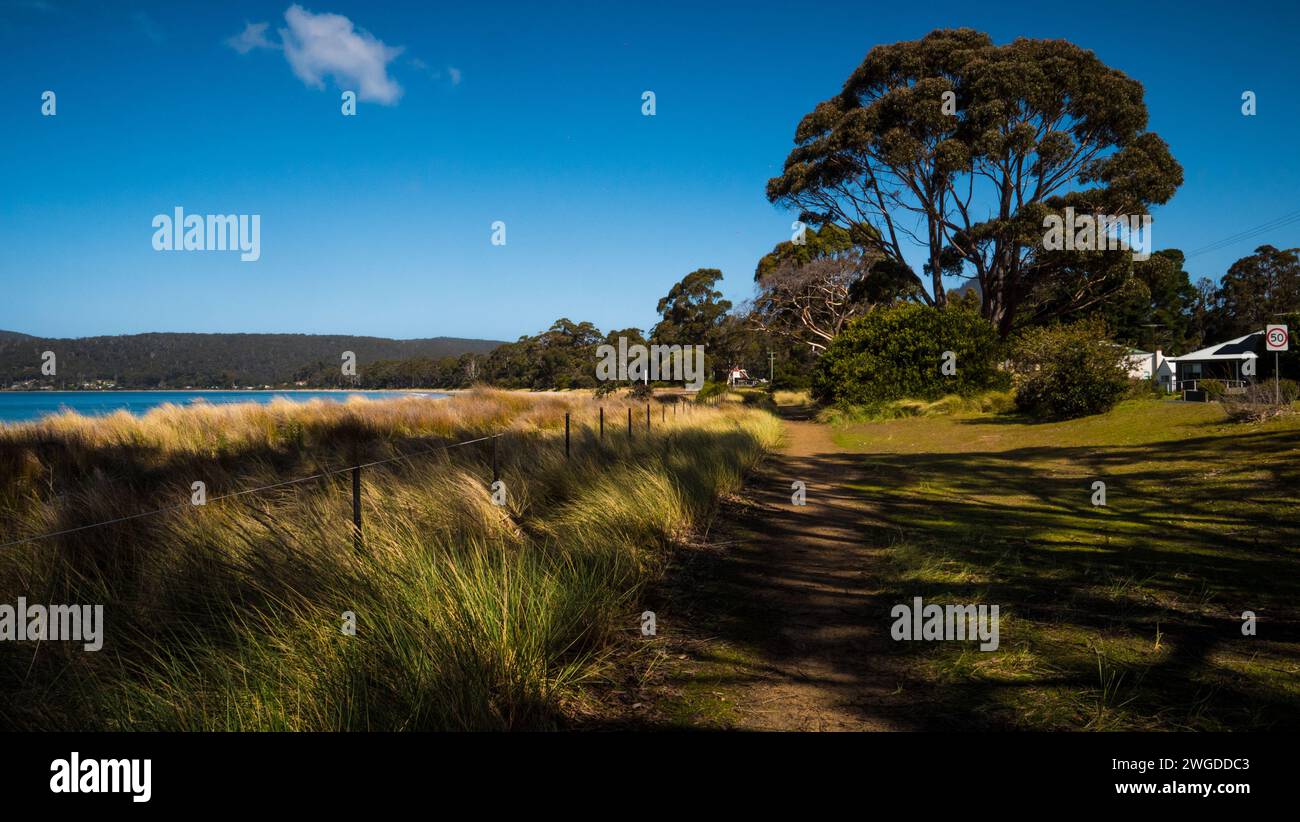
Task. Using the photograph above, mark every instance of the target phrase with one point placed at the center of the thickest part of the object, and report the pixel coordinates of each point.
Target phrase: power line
(1277, 222)
(1241, 235)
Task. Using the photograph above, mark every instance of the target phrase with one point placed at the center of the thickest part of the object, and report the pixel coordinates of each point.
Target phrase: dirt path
(775, 624)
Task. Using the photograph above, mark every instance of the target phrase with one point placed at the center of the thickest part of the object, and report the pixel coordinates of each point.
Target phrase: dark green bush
(1213, 389)
(792, 377)
(898, 353)
(1066, 371)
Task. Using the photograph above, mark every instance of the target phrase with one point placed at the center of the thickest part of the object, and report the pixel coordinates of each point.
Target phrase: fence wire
(246, 491)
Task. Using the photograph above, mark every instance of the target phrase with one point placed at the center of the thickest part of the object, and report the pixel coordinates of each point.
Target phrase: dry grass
(229, 616)
(792, 397)
(952, 405)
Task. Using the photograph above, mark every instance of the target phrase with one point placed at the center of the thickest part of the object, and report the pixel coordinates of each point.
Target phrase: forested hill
(168, 360)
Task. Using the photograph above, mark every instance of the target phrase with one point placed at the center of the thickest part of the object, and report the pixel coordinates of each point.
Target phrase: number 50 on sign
(1276, 338)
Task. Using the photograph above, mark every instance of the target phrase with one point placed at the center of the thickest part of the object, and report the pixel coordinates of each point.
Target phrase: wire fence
(355, 471)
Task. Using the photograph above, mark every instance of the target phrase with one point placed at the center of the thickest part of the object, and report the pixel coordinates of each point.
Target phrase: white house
(1225, 361)
(738, 376)
(1144, 365)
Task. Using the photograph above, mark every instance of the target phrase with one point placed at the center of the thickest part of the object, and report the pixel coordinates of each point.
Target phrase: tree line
(175, 360)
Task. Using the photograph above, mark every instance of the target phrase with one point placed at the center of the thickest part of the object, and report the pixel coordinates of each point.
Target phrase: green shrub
(796, 377)
(896, 353)
(710, 389)
(1214, 389)
(1067, 371)
(1290, 390)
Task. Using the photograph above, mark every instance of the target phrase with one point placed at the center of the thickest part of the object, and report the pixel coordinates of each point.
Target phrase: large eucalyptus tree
(961, 148)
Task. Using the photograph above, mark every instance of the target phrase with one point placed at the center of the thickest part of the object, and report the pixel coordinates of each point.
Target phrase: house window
(1193, 371)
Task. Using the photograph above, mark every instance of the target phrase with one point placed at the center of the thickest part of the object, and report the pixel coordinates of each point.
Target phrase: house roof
(1242, 348)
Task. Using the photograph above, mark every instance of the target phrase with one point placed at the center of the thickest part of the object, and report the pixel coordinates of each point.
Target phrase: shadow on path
(775, 624)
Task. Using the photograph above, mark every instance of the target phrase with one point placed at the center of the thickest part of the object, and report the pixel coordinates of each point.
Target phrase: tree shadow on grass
(1123, 616)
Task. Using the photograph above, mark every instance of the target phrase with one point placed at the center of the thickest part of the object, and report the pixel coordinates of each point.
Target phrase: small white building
(1145, 365)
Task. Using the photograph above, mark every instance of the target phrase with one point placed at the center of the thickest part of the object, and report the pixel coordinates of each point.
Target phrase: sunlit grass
(989, 402)
(1122, 616)
(230, 616)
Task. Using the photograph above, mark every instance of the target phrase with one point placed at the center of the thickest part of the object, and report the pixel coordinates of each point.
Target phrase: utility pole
(771, 367)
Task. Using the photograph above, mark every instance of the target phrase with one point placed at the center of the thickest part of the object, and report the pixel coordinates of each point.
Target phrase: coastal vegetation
(257, 611)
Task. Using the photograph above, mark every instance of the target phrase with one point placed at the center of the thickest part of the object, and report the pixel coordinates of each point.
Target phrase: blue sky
(526, 113)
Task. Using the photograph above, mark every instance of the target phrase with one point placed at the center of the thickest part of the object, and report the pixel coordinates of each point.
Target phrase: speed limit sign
(1276, 338)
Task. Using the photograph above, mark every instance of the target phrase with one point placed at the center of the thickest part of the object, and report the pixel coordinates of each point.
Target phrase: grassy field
(230, 615)
(1122, 616)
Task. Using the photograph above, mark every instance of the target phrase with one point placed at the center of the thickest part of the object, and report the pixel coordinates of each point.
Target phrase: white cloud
(252, 37)
(453, 73)
(317, 45)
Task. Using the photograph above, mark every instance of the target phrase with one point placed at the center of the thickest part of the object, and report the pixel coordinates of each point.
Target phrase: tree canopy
(1255, 290)
(692, 310)
(962, 147)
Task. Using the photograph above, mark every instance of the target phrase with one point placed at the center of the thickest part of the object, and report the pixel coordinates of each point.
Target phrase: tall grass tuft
(230, 616)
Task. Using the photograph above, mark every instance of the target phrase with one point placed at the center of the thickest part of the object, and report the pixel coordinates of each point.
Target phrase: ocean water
(22, 406)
